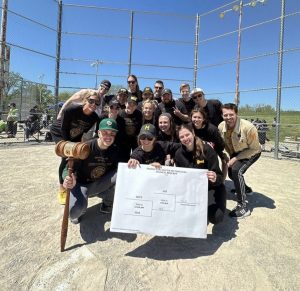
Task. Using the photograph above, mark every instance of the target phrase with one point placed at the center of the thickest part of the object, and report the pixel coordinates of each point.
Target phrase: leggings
(216, 211)
(236, 173)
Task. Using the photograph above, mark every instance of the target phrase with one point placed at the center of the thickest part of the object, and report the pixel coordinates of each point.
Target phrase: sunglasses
(196, 96)
(93, 101)
(103, 87)
(131, 82)
(114, 107)
(146, 137)
(157, 87)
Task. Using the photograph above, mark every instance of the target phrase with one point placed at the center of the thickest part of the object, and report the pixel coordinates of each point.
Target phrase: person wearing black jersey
(175, 108)
(167, 130)
(133, 122)
(194, 153)
(148, 111)
(208, 132)
(96, 175)
(75, 121)
(186, 99)
(122, 97)
(133, 87)
(113, 112)
(212, 107)
(150, 151)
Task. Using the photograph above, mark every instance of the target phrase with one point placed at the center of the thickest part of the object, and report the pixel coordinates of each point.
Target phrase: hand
(70, 182)
(133, 163)
(212, 176)
(156, 165)
(232, 162)
(176, 111)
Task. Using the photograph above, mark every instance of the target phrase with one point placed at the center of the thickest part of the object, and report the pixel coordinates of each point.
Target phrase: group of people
(151, 127)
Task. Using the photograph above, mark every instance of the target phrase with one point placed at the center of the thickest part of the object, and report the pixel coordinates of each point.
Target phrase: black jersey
(210, 133)
(133, 123)
(75, 123)
(169, 108)
(187, 159)
(97, 164)
(158, 154)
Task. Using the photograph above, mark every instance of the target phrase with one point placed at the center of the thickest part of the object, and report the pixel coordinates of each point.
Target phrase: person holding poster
(194, 153)
(150, 151)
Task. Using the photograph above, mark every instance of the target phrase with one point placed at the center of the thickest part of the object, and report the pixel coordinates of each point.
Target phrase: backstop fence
(244, 51)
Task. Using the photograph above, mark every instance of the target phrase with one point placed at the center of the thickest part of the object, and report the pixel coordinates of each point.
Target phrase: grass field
(289, 120)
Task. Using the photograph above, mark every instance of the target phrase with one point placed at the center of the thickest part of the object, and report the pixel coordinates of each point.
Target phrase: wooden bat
(72, 151)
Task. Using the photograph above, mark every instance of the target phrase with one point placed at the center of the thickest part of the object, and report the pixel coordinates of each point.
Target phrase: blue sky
(217, 81)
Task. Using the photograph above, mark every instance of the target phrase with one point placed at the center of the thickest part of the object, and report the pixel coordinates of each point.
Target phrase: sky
(171, 20)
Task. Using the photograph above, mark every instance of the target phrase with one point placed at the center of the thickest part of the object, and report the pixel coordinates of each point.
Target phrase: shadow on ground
(92, 228)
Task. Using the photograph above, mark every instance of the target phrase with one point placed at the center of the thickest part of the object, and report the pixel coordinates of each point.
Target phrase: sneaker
(76, 220)
(240, 211)
(61, 196)
(104, 208)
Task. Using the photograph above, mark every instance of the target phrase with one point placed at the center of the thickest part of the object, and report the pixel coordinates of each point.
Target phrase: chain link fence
(202, 52)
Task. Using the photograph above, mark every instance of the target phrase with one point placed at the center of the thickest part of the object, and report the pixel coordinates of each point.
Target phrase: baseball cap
(148, 129)
(132, 99)
(197, 90)
(123, 91)
(166, 91)
(147, 90)
(108, 124)
(106, 84)
(113, 101)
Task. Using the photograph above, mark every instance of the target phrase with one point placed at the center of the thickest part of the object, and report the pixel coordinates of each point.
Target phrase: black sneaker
(104, 208)
(248, 191)
(240, 211)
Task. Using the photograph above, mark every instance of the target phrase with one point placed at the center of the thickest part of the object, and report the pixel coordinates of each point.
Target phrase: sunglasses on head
(131, 82)
(146, 137)
(93, 101)
(196, 96)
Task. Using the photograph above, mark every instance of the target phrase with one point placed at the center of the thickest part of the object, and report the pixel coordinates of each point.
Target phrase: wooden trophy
(71, 151)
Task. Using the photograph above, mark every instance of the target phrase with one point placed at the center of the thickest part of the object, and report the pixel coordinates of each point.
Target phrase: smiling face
(164, 124)
(148, 110)
(146, 142)
(230, 117)
(106, 138)
(130, 107)
(197, 119)
(132, 83)
(187, 138)
(91, 104)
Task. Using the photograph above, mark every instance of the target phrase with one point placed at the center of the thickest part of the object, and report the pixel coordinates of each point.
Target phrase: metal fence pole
(58, 49)
(196, 47)
(3, 47)
(279, 78)
(130, 42)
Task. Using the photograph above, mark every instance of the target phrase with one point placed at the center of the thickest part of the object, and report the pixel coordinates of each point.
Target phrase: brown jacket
(244, 139)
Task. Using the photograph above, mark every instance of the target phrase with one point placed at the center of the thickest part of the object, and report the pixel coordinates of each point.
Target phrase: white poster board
(166, 202)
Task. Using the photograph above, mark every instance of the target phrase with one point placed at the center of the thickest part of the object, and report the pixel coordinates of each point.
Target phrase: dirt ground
(260, 252)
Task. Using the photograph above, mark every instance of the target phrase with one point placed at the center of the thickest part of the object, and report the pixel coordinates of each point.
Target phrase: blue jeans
(103, 187)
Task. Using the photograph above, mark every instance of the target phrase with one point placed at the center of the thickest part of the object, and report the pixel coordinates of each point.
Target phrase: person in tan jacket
(242, 145)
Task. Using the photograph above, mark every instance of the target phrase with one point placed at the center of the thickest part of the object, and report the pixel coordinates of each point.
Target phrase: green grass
(289, 120)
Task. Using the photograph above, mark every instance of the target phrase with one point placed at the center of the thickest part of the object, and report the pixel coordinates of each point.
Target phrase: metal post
(130, 42)
(58, 49)
(21, 102)
(2, 54)
(196, 47)
(237, 80)
(279, 78)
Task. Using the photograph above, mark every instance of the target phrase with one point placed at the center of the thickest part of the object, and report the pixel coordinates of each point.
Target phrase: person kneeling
(96, 175)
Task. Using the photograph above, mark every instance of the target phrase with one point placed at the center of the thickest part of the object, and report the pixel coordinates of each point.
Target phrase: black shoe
(248, 190)
(240, 211)
(104, 208)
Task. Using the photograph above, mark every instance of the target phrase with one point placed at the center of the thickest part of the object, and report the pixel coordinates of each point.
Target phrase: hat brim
(108, 128)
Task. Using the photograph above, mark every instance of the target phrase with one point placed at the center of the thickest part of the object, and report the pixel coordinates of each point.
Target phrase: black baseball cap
(106, 84)
(148, 129)
(123, 91)
(132, 99)
(166, 91)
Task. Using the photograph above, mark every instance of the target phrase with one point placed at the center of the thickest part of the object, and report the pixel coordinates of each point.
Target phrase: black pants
(216, 210)
(236, 174)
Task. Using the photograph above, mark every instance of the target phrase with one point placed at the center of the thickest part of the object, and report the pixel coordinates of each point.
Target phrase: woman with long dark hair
(195, 153)
(133, 87)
